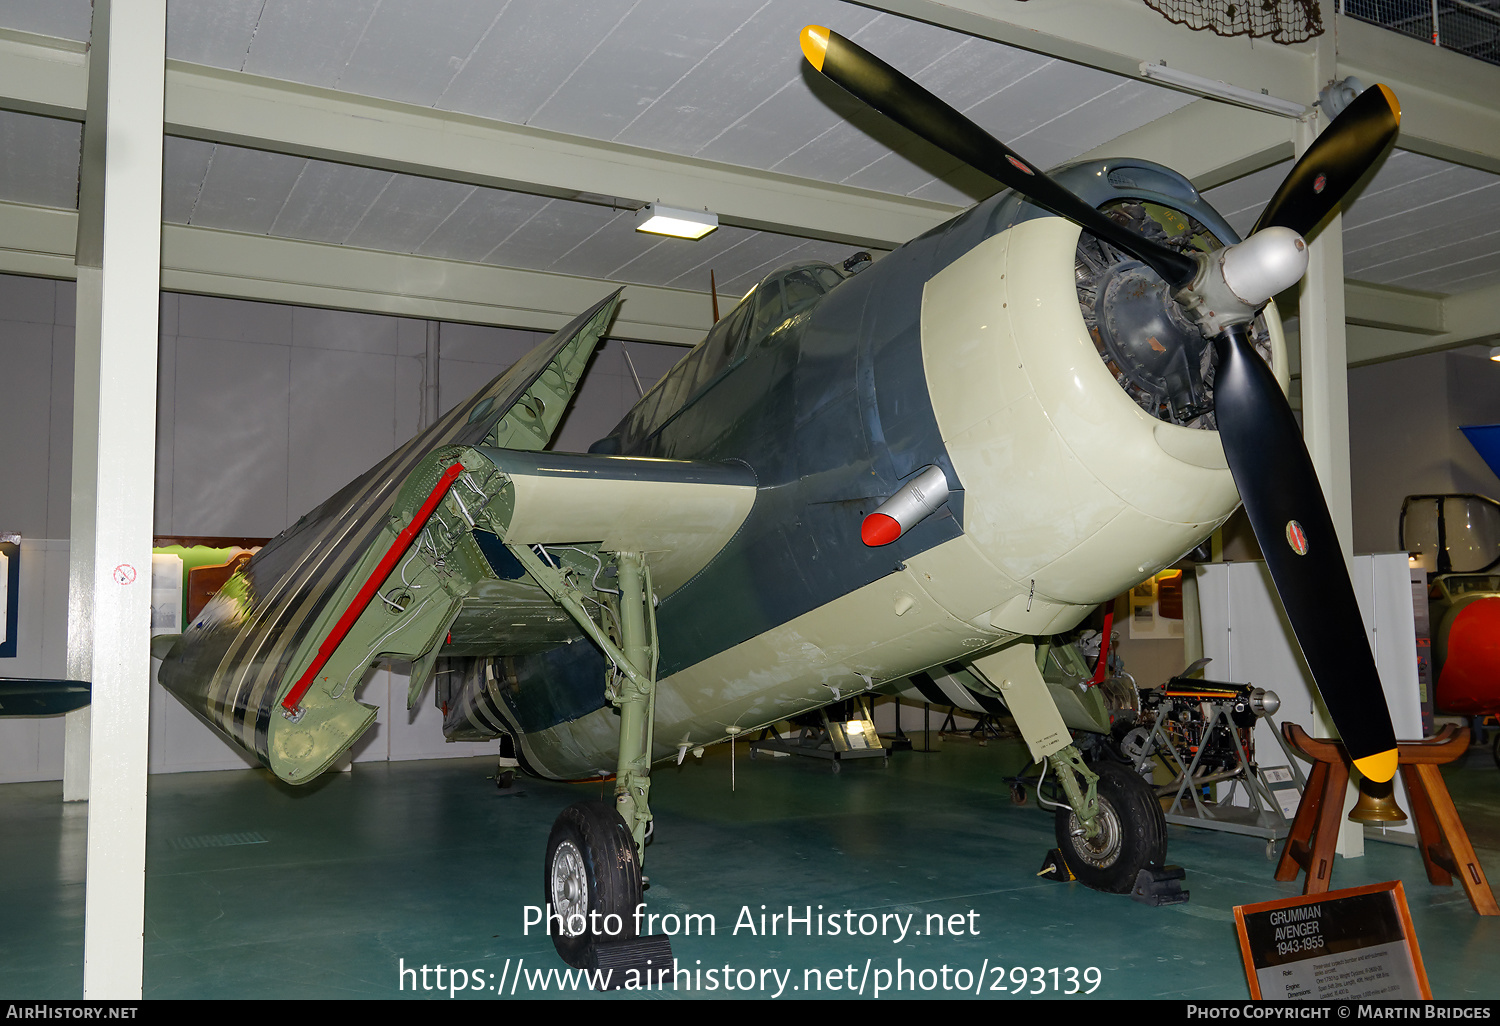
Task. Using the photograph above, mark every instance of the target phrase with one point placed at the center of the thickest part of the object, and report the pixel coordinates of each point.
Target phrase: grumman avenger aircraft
(960, 450)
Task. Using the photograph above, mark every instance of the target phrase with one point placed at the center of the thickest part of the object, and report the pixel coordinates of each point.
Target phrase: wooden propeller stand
(1441, 838)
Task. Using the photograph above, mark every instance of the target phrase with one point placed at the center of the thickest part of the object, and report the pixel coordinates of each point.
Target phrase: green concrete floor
(255, 889)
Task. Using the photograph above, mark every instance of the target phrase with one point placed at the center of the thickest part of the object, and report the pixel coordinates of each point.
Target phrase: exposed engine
(1160, 358)
(1205, 722)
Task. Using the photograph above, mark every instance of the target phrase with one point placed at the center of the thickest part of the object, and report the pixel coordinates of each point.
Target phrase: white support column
(88, 254)
(114, 898)
(81, 520)
(1325, 377)
(1325, 374)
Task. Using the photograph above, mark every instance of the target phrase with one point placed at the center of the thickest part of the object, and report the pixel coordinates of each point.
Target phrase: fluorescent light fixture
(1223, 91)
(1495, 353)
(682, 224)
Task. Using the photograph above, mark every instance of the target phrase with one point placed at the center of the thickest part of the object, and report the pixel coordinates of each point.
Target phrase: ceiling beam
(1116, 36)
(43, 75)
(1209, 143)
(269, 114)
(219, 263)
(39, 241)
(1384, 306)
(1450, 103)
(1466, 318)
(1385, 323)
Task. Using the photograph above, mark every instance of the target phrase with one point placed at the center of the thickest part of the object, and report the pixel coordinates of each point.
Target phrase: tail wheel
(1132, 832)
(592, 880)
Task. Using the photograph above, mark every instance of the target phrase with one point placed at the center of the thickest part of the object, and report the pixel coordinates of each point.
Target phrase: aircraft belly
(1071, 489)
(885, 630)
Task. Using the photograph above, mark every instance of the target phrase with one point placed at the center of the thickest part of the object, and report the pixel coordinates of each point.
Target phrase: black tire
(591, 873)
(1132, 836)
(1497, 749)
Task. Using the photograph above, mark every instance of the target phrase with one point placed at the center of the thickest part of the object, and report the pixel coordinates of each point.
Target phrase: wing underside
(441, 576)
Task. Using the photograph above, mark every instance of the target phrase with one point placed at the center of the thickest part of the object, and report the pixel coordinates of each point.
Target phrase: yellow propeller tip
(815, 45)
(1379, 767)
(1390, 98)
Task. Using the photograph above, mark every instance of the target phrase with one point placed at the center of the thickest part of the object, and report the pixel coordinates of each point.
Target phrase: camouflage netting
(1284, 21)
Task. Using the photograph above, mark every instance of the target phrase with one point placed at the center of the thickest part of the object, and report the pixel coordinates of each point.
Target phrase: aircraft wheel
(591, 875)
(1132, 832)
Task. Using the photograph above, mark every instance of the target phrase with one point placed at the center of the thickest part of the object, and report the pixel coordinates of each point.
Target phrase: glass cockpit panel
(801, 288)
(768, 309)
(1453, 533)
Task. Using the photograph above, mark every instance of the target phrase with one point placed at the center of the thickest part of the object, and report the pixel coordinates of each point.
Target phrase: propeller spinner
(1221, 293)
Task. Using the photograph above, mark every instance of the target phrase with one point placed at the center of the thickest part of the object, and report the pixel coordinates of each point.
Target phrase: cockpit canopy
(1452, 533)
(775, 300)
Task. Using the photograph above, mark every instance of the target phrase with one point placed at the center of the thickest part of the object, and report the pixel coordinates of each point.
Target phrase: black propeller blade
(1267, 457)
(889, 91)
(1334, 162)
(1285, 504)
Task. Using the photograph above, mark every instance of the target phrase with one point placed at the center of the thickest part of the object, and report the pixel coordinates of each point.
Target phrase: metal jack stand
(831, 739)
(1262, 817)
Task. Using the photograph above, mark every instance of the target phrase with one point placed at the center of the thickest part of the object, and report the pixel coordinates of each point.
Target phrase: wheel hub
(570, 888)
(1103, 848)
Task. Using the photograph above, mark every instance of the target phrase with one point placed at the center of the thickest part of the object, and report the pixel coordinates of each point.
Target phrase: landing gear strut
(1131, 834)
(596, 849)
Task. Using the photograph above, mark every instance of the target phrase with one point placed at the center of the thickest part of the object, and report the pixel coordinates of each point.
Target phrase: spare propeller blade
(887, 90)
(1262, 442)
(1334, 162)
(1285, 504)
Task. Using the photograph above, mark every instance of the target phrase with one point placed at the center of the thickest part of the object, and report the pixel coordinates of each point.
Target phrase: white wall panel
(231, 435)
(342, 422)
(313, 328)
(180, 742)
(25, 425)
(1250, 643)
(31, 747)
(234, 320)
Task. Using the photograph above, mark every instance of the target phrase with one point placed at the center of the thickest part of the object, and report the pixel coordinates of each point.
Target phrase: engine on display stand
(1195, 739)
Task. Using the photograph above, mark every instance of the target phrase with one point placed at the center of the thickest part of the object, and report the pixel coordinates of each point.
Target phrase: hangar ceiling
(715, 90)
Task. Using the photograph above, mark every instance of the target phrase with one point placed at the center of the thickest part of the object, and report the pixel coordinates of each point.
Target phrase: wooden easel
(1441, 837)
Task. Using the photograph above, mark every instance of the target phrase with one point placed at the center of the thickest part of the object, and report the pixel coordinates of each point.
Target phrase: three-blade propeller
(1262, 442)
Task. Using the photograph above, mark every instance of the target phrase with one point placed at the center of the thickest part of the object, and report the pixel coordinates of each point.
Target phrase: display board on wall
(1347, 945)
(1156, 607)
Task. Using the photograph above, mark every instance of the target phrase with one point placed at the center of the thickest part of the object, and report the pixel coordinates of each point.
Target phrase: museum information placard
(1340, 945)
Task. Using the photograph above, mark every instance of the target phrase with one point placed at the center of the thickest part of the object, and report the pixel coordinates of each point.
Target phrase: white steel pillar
(88, 256)
(1325, 370)
(1325, 375)
(130, 285)
(1325, 359)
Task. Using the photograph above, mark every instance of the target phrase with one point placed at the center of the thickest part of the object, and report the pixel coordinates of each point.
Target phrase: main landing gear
(1131, 834)
(592, 875)
(1111, 833)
